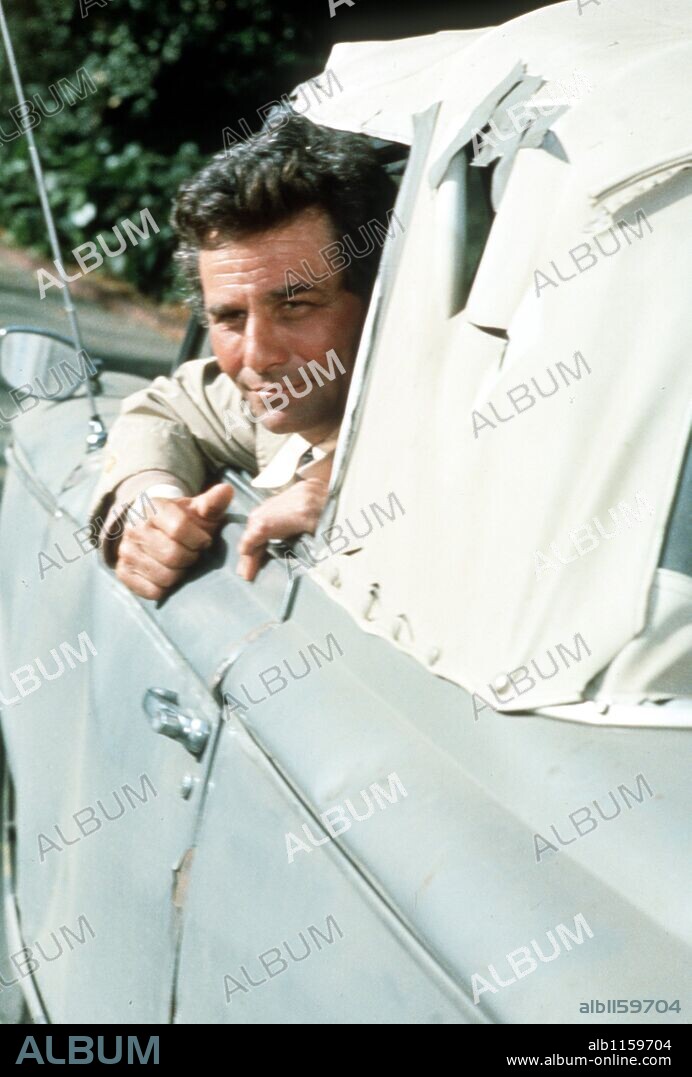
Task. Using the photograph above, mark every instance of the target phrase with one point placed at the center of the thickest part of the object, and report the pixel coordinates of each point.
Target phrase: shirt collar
(285, 466)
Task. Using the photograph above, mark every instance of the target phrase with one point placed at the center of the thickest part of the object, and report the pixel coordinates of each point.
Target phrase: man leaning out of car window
(284, 331)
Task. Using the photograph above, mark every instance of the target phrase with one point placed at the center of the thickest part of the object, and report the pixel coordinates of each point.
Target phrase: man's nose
(262, 345)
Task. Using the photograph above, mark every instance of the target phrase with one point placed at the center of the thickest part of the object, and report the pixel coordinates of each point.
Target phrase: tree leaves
(171, 74)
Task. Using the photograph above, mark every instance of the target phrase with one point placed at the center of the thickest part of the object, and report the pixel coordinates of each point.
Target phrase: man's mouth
(274, 389)
(268, 400)
(297, 379)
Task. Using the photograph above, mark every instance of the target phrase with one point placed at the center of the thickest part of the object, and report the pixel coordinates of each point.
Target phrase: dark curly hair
(263, 182)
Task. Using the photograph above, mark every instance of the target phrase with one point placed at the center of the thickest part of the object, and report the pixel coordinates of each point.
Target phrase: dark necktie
(307, 458)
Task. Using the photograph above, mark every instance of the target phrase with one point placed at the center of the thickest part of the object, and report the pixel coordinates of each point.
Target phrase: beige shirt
(180, 432)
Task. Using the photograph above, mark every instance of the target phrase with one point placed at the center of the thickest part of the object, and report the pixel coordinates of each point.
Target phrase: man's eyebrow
(294, 289)
(222, 310)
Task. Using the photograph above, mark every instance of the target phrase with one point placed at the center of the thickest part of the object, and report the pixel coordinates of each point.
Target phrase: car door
(159, 668)
(106, 806)
(279, 926)
(358, 786)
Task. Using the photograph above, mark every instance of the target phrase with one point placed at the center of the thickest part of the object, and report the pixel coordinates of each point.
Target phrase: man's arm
(155, 554)
(293, 512)
(174, 432)
(166, 443)
(156, 551)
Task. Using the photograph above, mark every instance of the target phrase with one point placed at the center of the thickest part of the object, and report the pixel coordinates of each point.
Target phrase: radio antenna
(96, 437)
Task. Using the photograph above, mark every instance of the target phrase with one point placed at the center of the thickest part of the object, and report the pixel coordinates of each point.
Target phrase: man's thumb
(213, 502)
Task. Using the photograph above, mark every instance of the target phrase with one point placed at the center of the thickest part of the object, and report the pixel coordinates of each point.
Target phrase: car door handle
(168, 718)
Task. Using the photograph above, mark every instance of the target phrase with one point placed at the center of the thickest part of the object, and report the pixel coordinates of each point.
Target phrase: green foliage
(170, 75)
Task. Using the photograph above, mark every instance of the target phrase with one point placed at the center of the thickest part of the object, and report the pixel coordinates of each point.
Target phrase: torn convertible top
(533, 429)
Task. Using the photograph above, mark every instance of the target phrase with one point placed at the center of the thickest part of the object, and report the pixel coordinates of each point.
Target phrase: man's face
(260, 336)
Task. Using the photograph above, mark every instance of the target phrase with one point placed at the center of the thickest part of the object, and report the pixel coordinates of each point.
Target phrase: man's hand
(283, 516)
(155, 554)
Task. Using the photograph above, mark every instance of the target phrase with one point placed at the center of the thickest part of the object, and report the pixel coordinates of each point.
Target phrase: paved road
(111, 327)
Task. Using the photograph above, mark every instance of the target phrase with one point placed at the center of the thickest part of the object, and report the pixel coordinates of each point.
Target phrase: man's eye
(293, 304)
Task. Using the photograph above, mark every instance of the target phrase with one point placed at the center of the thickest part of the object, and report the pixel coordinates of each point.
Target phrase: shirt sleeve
(186, 427)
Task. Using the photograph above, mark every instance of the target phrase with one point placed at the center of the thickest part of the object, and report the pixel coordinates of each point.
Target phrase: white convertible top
(508, 546)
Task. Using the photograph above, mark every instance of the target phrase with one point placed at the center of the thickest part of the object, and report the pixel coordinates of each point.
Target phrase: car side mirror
(43, 362)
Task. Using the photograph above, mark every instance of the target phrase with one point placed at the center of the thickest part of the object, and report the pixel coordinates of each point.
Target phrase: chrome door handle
(168, 718)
